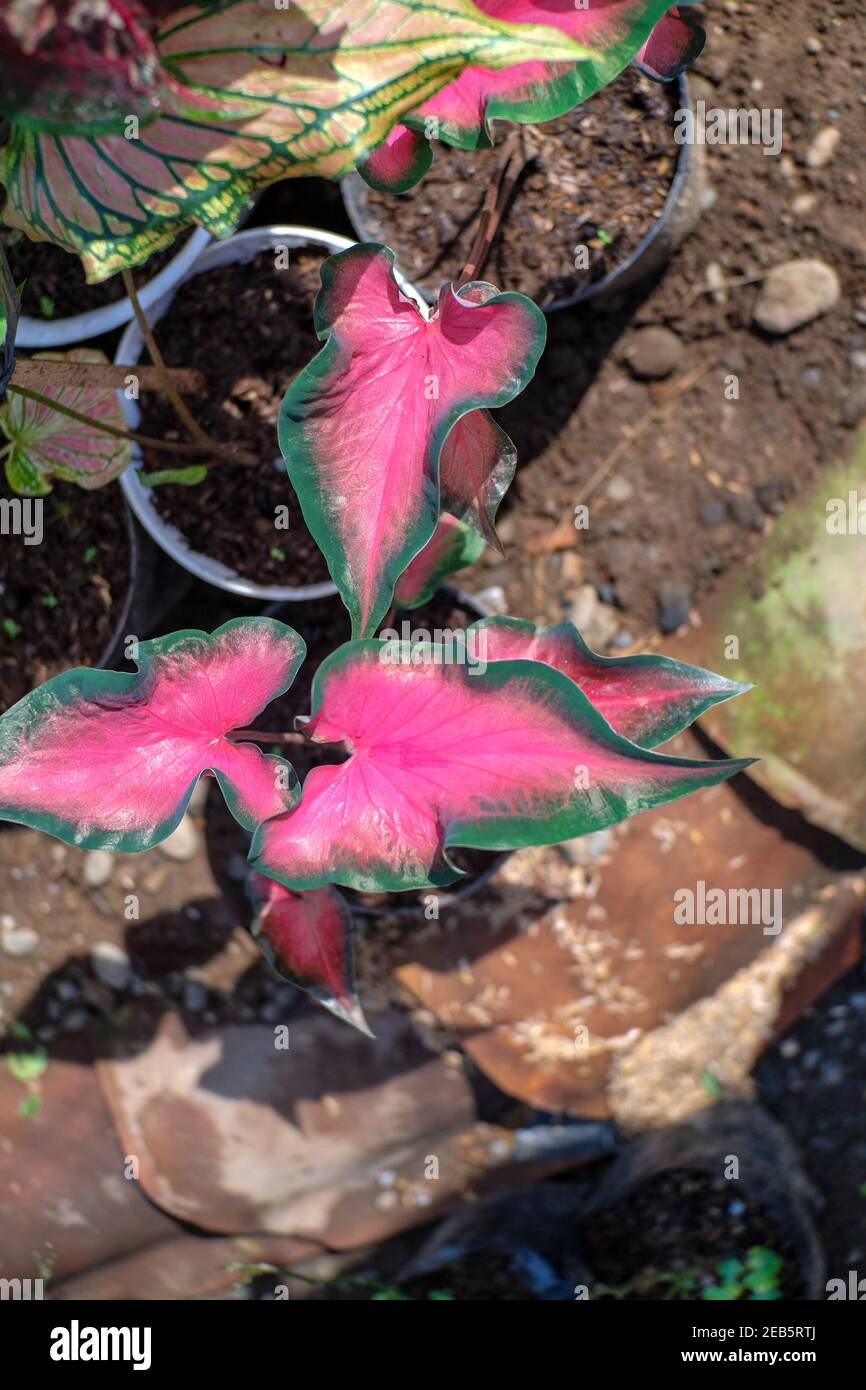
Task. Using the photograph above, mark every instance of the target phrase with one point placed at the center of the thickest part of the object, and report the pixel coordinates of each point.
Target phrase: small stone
(606, 592)
(66, 990)
(789, 1047)
(492, 600)
(20, 942)
(858, 1001)
(860, 312)
(814, 45)
(746, 511)
(803, 203)
(183, 842)
(811, 1059)
(619, 489)
(858, 360)
(674, 602)
(794, 293)
(595, 621)
(832, 1073)
(571, 568)
(110, 964)
(714, 512)
(654, 353)
(75, 1021)
(823, 147)
(586, 849)
(194, 996)
(98, 867)
(7, 923)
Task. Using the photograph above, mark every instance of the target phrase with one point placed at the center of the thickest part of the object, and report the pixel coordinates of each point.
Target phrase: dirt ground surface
(690, 496)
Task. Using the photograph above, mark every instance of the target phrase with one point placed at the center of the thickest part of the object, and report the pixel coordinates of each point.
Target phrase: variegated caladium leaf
(108, 760)
(451, 547)
(307, 938)
(648, 699)
(43, 443)
(250, 93)
(445, 752)
(362, 427)
(663, 39)
(77, 65)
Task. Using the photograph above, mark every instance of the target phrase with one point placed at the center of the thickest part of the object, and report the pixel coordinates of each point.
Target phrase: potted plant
(508, 736)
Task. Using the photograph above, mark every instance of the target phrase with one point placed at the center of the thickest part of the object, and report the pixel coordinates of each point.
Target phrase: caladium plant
(224, 96)
(526, 737)
(660, 38)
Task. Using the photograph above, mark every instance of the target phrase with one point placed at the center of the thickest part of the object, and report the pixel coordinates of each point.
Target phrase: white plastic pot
(241, 247)
(55, 333)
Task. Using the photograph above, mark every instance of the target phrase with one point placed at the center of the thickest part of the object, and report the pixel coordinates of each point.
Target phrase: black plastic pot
(155, 585)
(684, 204)
(537, 1230)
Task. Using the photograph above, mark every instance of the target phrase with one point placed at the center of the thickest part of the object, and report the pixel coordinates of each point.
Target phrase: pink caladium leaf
(674, 44)
(43, 443)
(613, 32)
(80, 65)
(307, 938)
(451, 547)
(108, 760)
(448, 752)
(648, 699)
(363, 426)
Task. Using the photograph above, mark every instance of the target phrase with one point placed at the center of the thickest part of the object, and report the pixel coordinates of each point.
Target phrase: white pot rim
(78, 328)
(240, 247)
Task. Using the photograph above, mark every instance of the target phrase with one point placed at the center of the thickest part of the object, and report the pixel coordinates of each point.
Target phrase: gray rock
(493, 600)
(619, 489)
(75, 1021)
(98, 867)
(653, 353)
(110, 964)
(183, 842)
(22, 941)
(823, 147)
(595, 621)
(794, 293)
(714, 512)
(674, 602)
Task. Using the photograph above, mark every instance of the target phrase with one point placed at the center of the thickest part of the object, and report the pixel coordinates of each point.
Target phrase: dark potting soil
(597, 177)
(249, 329)
(682, 1220)
(61, 600)
(54, 283)
(324, 626)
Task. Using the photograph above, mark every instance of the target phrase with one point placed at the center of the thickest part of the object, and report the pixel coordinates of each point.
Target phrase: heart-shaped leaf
(445, 753)
(648, 699)
(307, 937)
(45, 444)
(451, 547)
(82, 65)
(250, 93)
(614, 32)
(362, 427)
(109, 761)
